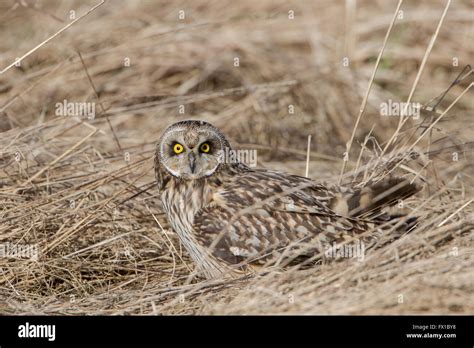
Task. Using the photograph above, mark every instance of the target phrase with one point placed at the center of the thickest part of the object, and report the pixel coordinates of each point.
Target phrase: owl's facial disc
(191, 154)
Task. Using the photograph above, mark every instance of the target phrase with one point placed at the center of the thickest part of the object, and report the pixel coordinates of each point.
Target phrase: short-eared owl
(231, 217)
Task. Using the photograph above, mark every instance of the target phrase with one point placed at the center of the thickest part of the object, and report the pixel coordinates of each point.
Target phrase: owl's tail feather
(369, 200)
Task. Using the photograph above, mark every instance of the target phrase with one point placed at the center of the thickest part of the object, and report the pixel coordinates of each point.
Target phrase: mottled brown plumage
(228, 215)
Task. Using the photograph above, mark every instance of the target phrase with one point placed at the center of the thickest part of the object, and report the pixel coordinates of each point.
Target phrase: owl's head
(191, 149)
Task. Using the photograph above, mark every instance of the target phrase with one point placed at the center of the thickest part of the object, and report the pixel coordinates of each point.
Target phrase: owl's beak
(192, 162)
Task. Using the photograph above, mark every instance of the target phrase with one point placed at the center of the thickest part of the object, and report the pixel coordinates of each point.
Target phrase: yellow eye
(178, 148)
(205, 148)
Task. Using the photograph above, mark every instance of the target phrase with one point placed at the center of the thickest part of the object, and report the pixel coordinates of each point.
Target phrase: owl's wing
(260, 214)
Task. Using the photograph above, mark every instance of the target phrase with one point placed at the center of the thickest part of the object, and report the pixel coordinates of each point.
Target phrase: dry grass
(80, 189)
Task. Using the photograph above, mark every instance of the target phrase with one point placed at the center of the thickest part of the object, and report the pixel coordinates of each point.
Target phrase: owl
(233, 219)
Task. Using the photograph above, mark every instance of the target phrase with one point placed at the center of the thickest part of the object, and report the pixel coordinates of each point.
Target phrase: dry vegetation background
(84, 194)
